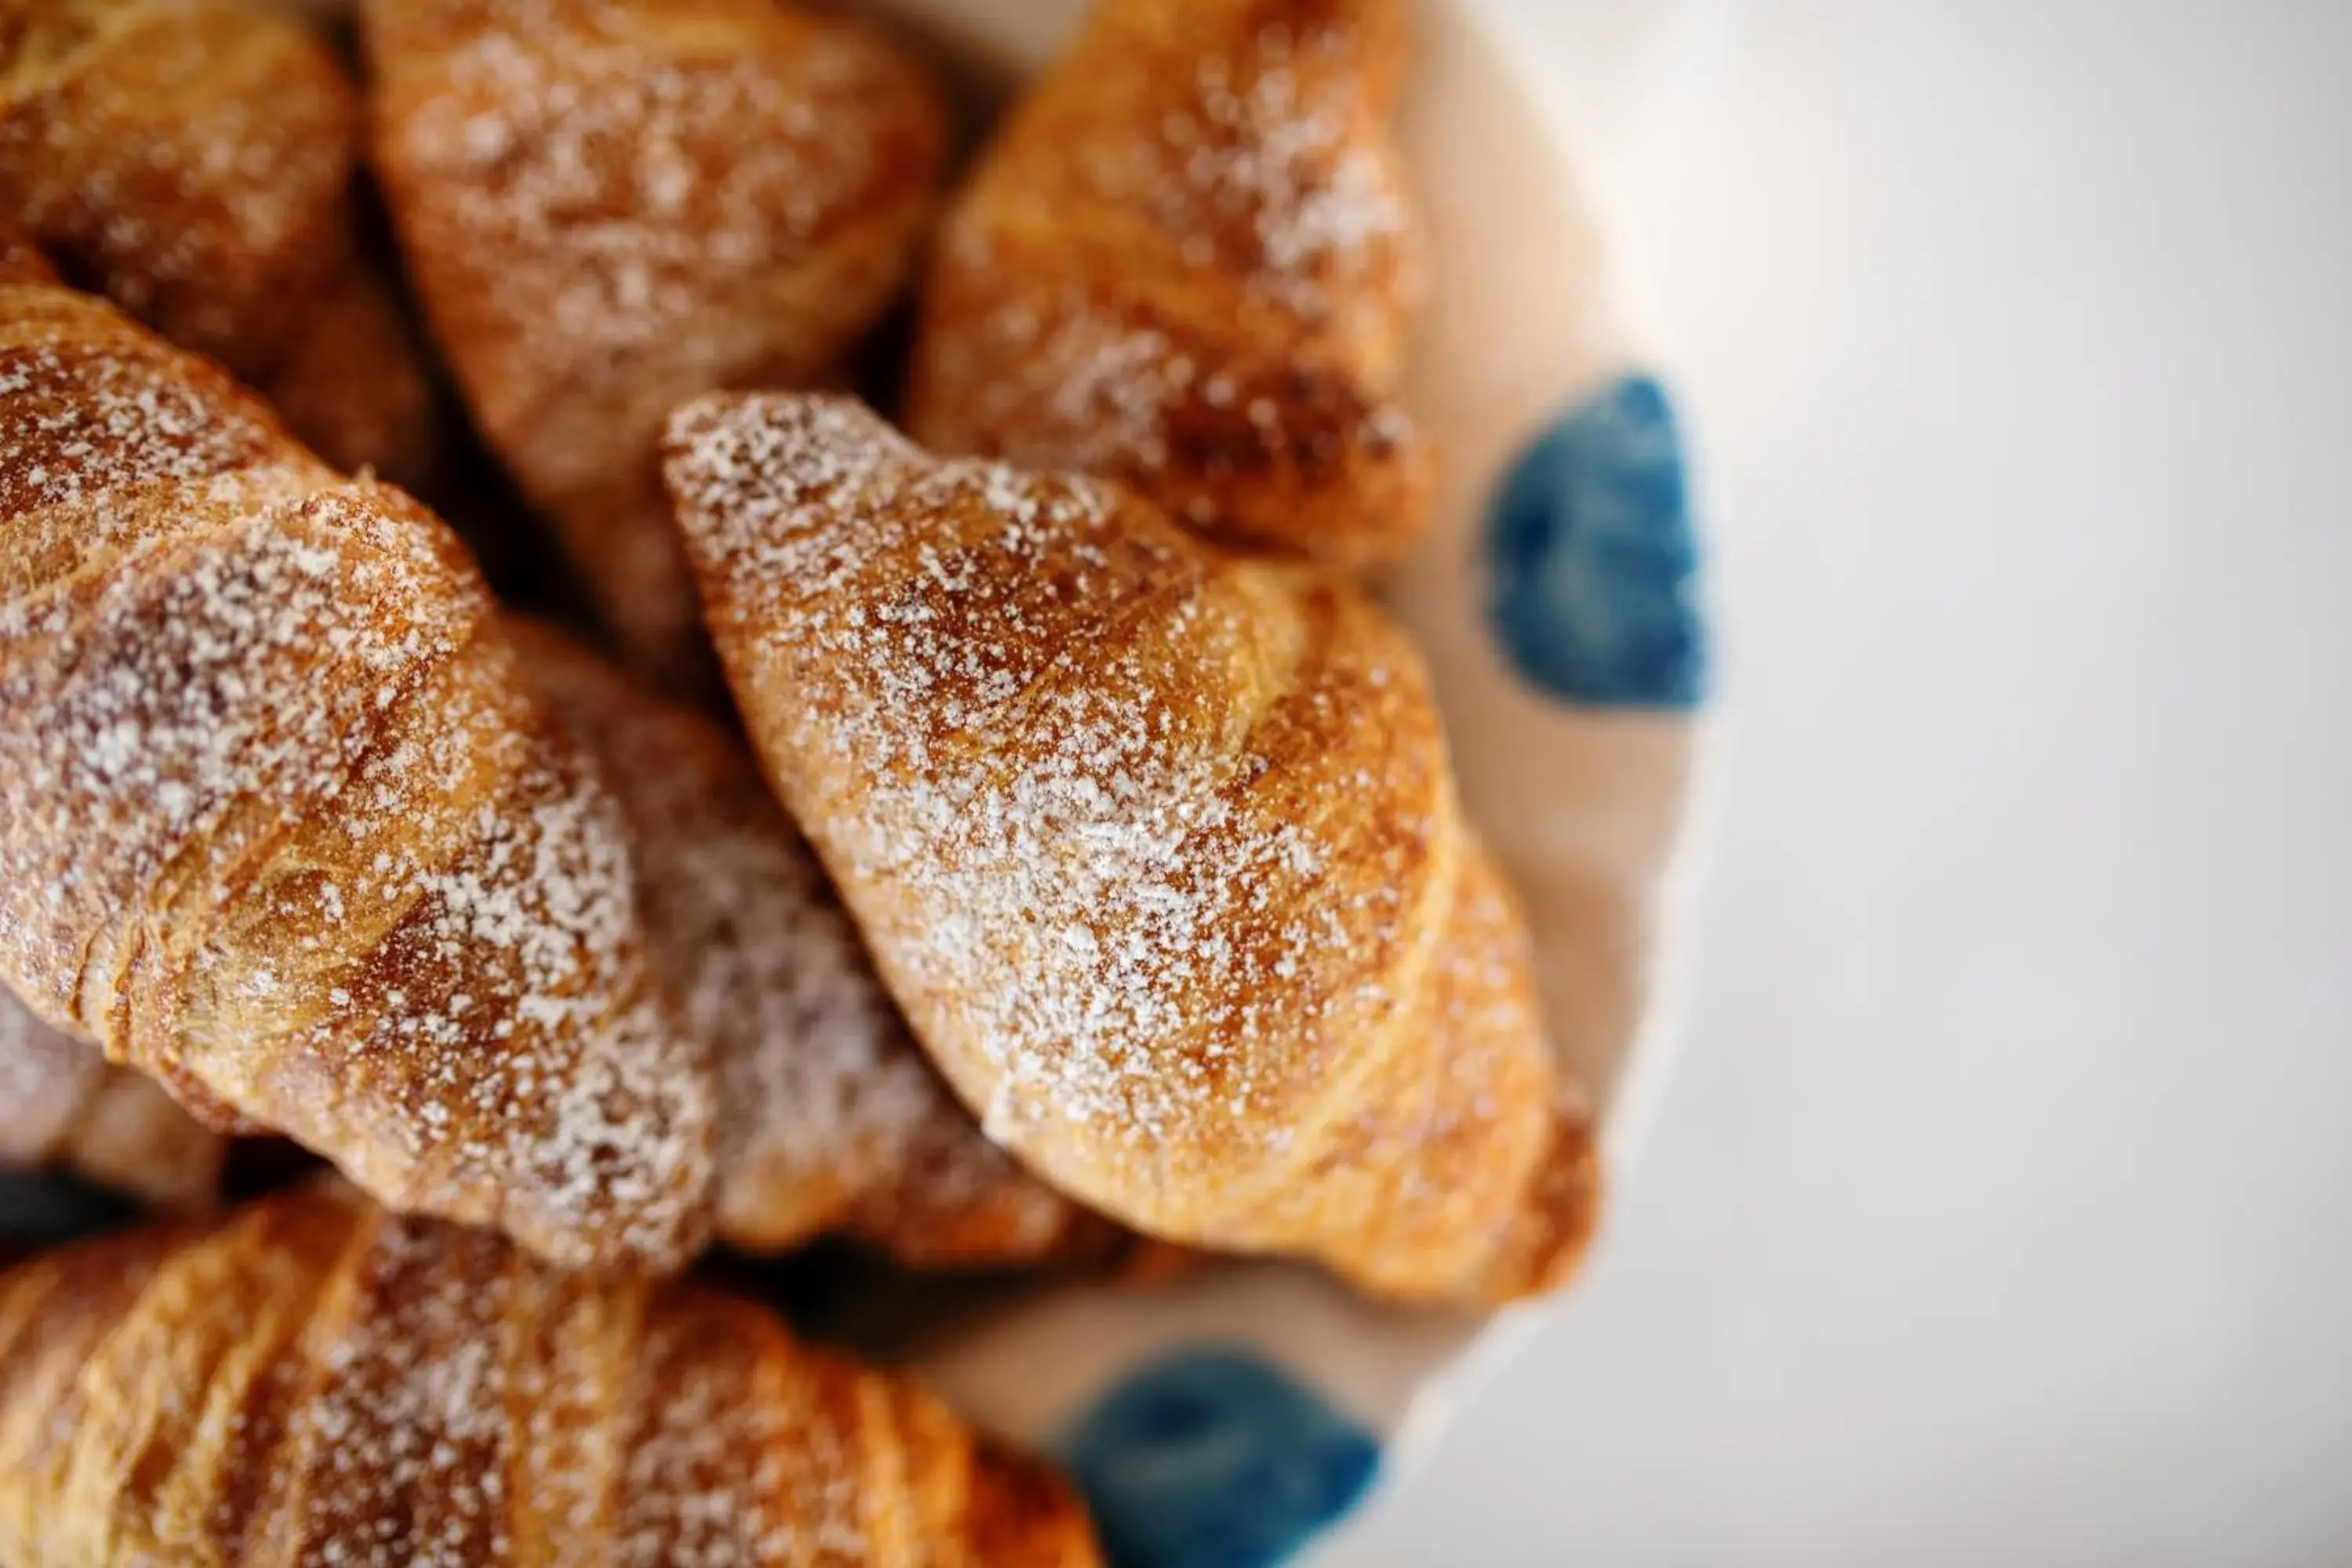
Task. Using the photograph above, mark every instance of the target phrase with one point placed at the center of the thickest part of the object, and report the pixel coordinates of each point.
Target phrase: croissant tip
(694, 421)
(719, 450)
(696, 414)
(1561, 1216)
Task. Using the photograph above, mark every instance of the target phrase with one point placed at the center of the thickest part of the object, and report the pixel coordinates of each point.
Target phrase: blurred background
(2000, 1206)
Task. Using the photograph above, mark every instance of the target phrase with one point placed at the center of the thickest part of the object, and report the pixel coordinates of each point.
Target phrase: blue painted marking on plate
(1595, 563)
(1214, 1458)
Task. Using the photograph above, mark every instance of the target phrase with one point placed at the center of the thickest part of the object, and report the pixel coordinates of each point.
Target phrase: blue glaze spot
(1595, 562)
(1214, 1458)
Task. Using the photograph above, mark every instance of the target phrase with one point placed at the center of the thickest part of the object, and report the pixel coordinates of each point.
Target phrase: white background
(2000, 1209)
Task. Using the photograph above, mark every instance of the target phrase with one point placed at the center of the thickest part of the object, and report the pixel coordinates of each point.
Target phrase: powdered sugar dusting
(1103, 385)
(1000, 814)
(831, 1114)
(820, 1086)
(198, 680)
(405, 1450)
(122, 426)
(1189, 263)
(86, 430)
(1268, 168)
(736, 1465)
(362, 1390)
(589, 1107)
(691, 1431)
(562, 148)
(602, 203)
(823, 1089)
(273, 819)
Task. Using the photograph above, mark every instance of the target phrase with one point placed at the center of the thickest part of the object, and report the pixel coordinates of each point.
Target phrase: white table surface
(2000, 1210)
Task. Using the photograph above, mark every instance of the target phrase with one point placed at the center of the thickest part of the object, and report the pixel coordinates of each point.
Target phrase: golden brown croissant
(612, 206)
(193, 160)
(1187, 263)
(1159, 850)
(313, 1381)
(62, 1104)
(832, 1119)
(282, 826)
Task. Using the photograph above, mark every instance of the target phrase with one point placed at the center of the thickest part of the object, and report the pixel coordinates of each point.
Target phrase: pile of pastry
(1076, 871)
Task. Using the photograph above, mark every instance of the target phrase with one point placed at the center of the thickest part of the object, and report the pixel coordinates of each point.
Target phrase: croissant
(282, 826)
(832, 1119)
(313, 1381)
(61, 1104)
(1159, 850)
(1187, 262)
(611, 205)
(193, 160)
